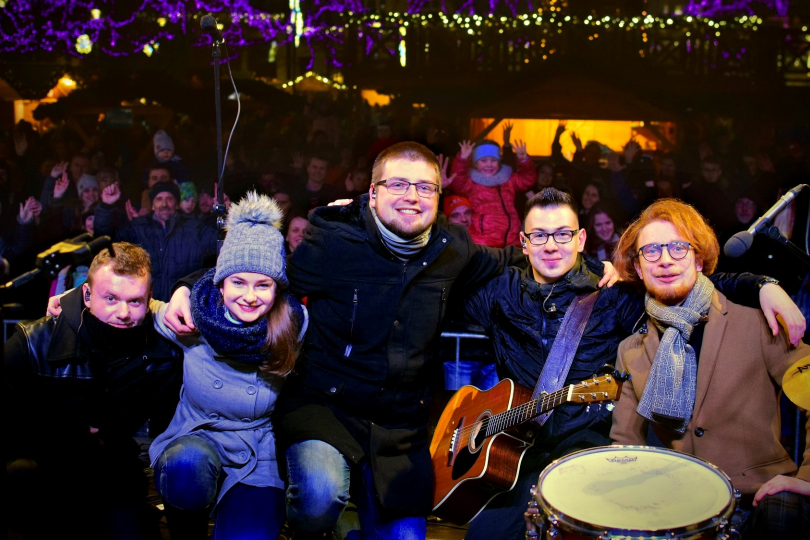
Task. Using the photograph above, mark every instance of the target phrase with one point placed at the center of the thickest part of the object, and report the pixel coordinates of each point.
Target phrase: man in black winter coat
(76, 390)
(522, 311)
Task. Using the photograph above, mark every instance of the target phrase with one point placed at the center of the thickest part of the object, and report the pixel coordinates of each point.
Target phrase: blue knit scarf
(243, 343)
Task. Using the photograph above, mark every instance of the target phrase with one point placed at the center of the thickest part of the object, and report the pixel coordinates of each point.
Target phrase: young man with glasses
(522, 311)
(722, 404)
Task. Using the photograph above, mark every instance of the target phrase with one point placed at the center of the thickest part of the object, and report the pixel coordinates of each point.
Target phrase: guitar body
(471, 471)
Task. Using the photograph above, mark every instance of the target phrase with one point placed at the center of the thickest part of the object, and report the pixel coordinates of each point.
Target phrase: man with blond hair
(706, 373)
(77, 389)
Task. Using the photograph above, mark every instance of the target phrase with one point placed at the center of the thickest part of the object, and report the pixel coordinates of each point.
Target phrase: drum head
(633, 488)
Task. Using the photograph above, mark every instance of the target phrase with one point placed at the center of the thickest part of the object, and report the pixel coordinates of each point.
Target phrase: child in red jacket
(491, 187)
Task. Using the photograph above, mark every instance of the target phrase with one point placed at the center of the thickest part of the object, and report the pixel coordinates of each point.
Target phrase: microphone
(209, 26)
(741, 242)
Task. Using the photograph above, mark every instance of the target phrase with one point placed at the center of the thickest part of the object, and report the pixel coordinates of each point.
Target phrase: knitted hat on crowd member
(163, 142)
(454, 201)
(187, 189)
(167, 187)
(253, 243)
(86, 181)
(487, 149)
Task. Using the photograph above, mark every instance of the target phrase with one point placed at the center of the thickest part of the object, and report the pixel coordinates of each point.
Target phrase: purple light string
(55, 25)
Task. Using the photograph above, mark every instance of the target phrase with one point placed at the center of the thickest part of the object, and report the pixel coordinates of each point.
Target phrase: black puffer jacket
(517, 313)
(361, 383)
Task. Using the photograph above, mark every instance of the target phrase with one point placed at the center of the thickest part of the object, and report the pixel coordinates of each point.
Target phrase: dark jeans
(187, 478)
(320, 477)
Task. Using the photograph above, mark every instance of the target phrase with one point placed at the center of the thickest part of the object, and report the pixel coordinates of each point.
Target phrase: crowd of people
(308, 344)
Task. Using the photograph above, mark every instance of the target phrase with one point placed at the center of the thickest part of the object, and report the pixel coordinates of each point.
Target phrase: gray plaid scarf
(669, 396)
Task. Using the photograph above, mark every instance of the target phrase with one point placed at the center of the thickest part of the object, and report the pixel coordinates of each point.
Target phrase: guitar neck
(525, 412)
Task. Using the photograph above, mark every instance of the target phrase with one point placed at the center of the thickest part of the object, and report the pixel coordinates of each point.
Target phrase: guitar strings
(518, 412)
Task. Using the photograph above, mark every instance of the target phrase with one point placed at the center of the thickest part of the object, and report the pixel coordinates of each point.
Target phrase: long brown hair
(282, 338)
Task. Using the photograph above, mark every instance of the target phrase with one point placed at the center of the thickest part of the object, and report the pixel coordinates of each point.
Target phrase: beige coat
(736, 410)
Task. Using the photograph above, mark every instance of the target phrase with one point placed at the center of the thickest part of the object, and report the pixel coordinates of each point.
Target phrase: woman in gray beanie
(218, 454)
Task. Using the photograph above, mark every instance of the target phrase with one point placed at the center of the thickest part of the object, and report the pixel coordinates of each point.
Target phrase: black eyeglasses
(540, 238)
(653, 252)
(400, 187)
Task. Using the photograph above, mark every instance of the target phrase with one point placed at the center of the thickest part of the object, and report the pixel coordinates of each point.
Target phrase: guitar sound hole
(469, 454)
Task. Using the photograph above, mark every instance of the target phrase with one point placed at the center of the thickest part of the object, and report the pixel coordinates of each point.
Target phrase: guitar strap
(565, 347)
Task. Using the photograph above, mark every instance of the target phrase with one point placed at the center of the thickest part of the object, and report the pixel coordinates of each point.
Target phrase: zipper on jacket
(404, 271)
(508, 218)
(348, 350)
(441, 306)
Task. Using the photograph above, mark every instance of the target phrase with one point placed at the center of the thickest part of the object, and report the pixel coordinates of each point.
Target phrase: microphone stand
(774, 233)
(219, 207)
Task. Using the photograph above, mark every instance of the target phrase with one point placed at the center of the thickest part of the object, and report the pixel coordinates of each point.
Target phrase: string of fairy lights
(80, 27)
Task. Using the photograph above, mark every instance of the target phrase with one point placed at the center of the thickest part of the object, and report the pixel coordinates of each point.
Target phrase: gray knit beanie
(253, 242)
(163, 141)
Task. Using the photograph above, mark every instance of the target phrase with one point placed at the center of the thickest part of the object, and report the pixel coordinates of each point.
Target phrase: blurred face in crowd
(545, 176)
(360, 181)
(165, 155)
(751, 164)
(206, 203)
(488, 165)
(407, 215)
(603, 226)
(104, 179)
(590, 196)
(164, 206)
(120, 301)
(89, 221)
(316, 171)
(248, 296)
(79, 165)
(746, 210)
(668, 168)
(591, 153)
(267, 181)
(461, 215)
(384, 132)
(552, 260)
(667, 280)
(188, 205)
(157, 176)
(295, 232)
(711, 172)
(284, 202)
(90, 196)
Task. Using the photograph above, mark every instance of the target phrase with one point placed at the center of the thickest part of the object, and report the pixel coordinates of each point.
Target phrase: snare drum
(631, 492)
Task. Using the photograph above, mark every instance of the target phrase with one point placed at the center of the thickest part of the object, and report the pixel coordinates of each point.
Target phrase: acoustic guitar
(481, 437)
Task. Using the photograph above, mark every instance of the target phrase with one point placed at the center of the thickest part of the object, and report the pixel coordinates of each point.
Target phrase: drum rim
(571, 524)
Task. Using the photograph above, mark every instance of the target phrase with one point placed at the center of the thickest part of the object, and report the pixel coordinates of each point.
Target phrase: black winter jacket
(361, 383)
(58, 384)
(516, 312)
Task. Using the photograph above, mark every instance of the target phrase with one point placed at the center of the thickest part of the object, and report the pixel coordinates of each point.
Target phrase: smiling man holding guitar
(523, 311)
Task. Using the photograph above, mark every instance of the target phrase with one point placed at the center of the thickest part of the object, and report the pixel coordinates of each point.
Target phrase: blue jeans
(318, 492)
(187, 477)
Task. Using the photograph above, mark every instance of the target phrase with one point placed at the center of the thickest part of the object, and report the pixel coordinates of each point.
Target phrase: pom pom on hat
(253, 243)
